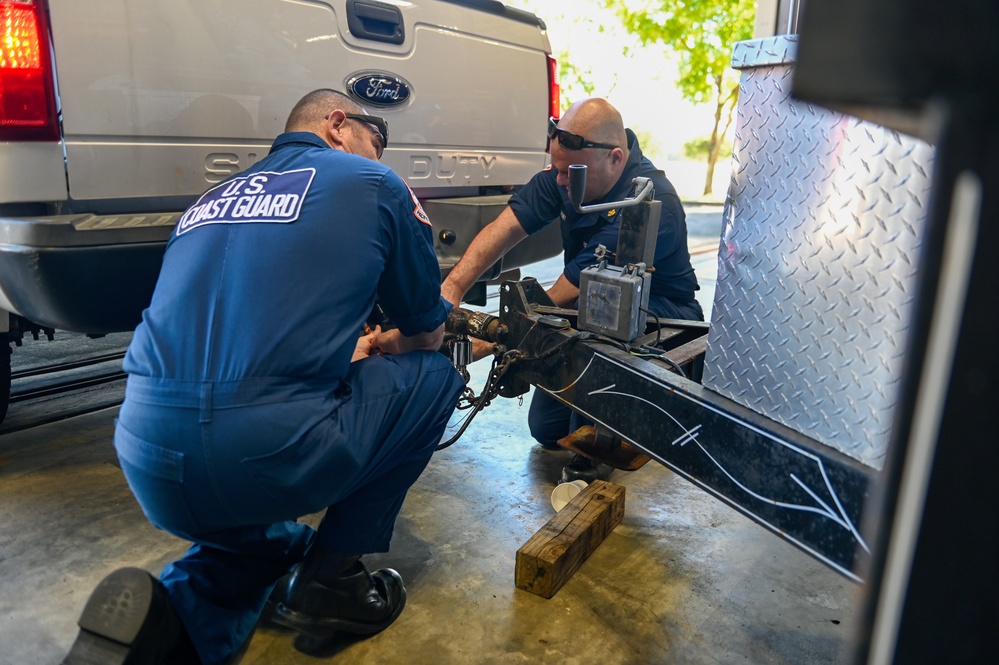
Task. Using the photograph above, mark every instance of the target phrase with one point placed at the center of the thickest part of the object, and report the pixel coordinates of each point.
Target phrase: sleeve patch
(257, 197)
(418, 211)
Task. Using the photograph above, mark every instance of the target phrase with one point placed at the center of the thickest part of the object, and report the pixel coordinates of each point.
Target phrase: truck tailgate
(164, 99)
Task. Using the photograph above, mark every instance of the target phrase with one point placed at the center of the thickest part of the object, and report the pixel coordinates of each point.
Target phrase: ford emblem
(378, 88)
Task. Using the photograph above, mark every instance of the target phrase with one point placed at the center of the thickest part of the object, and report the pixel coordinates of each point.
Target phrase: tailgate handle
(369, 19)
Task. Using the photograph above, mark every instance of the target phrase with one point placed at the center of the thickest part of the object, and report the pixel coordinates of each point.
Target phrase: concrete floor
(683, 579)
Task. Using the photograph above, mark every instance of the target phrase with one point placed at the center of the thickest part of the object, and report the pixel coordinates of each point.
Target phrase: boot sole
(617, 453)
(112, 618)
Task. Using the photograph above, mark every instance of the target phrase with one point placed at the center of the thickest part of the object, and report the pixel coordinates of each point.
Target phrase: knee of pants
(547, 419)
(669, 310)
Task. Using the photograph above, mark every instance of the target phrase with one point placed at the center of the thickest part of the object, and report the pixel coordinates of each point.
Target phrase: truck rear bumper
(457, 221)
(96, 273)
(84, 273)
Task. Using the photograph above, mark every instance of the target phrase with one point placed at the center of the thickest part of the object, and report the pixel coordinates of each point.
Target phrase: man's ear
(617, 158)
(334, 123)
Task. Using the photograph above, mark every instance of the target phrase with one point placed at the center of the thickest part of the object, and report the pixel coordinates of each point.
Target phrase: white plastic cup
(564, 492)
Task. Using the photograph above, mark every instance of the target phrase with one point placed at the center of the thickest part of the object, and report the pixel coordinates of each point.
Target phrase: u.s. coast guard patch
(258, 197)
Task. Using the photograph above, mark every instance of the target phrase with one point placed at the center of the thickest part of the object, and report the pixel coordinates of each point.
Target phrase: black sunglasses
(378, 125)
(571, 141)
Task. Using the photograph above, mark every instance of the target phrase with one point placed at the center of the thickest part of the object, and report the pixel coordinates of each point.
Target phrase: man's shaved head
(597, 120)
(312, 109)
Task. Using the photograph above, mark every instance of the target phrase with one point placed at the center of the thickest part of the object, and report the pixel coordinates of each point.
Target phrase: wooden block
(553, 554)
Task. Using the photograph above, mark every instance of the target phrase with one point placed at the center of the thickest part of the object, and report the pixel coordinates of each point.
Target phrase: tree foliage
(572, 77)
(702, 33)
(647, 140)
(700, 147)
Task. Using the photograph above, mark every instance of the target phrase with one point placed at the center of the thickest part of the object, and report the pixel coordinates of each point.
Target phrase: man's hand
(481, 348)
(389, 342)
(366, 345)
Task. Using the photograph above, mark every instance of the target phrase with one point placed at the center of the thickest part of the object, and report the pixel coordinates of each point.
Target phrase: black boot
(585, 469)
(128, 620)
(278, 594)
(333, 592)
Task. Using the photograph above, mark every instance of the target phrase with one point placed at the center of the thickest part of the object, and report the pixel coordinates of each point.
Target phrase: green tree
(647, 140)
(702, 33)
(699, 148)
(572, 77)
(573, 26)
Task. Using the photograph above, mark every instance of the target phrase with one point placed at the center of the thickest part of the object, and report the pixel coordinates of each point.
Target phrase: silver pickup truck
(116, 114)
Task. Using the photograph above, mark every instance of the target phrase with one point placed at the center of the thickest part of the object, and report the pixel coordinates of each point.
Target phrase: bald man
(253, 399)
(591, 132)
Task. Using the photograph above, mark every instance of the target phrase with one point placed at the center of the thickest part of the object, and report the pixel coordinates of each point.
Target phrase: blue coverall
(243, 411)
(542, 201)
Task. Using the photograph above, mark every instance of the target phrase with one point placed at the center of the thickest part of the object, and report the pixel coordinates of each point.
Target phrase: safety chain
(501, 364)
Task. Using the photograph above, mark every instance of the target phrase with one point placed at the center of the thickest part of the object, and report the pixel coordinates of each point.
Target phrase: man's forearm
(563, 292)
(424, 341)
(489, 245)
(393, 342)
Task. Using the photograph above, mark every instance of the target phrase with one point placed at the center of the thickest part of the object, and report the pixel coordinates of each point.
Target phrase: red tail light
(27, 85)
(554, 103)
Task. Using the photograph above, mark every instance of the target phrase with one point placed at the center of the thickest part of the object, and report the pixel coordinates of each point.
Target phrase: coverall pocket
(305, 475)
(156, 478)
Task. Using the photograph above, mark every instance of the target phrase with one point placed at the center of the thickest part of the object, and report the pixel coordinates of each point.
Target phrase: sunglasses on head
(571, 141)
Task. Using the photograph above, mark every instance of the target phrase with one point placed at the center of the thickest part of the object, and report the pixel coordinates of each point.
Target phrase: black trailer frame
(803, 491)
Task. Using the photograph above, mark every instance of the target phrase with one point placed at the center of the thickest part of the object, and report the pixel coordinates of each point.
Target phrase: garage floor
(683, 579)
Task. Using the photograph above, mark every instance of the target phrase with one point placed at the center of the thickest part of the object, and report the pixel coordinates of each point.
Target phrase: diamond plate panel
(777, 50)
(819, 250)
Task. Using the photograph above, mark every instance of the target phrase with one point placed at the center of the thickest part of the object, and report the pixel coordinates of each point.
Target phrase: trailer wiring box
(611, 300)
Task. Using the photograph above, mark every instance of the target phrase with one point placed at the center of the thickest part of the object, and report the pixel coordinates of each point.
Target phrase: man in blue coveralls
(253, 399)
(591, 132)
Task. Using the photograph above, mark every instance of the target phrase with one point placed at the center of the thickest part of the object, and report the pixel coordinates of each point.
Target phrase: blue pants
(232, 474)
(550, 420)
